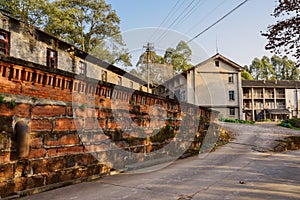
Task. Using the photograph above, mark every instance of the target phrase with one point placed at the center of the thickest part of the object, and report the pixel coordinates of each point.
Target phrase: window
(231, 111)
(217, 63)
(119, 80)
(131, 84)
(104, 75)
(51, 58)
(230, 78)
(231, 95)
(4, 43)
(82, 68)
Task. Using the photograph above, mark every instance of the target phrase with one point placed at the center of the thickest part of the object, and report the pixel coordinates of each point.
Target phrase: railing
(57, 80)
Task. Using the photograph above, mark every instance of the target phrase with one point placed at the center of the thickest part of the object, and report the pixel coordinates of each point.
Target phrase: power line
(165, 19)
(218, 21)
(191, 11)
(206, 16)
(175, 20)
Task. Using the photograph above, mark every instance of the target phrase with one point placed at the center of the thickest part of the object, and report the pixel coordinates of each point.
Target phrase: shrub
(291, 123)
(236, 121)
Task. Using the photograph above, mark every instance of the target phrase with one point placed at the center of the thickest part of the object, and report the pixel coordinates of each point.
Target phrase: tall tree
(150, 60)
(284, 36)
(31, 12)
(246, 75)
(276, 68)
(261, 69)
(284, 68)
(92, 26)
(113, 51)
(83, 23)
(179, 57)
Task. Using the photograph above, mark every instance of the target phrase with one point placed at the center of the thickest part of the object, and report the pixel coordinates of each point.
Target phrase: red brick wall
(71, 131)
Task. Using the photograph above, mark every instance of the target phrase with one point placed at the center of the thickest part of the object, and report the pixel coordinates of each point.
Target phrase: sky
(166, 22)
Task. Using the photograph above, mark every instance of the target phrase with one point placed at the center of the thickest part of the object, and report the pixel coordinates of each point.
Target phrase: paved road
(243, 169)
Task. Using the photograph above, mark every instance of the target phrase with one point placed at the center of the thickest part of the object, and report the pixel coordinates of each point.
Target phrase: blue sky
(237, 36)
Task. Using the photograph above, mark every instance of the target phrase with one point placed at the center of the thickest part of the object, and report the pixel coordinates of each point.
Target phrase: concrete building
(215, 83)
(21, 41)
(274, 100)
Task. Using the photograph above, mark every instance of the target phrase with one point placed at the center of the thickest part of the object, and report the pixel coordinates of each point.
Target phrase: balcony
(247, 96)
(280, 96)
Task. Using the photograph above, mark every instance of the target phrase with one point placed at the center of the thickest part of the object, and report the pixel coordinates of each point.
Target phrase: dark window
(104, 75)
(230, 78)
(82, 68)
(4, 43)
(51, 58)
(217, 63)
(231, 95)
(119, 80)
(131, 84)
(231, 111)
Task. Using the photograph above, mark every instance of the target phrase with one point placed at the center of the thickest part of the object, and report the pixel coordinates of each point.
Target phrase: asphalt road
(242, 169)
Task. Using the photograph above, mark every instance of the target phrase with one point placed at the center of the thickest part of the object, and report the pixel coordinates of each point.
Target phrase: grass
(236, 121)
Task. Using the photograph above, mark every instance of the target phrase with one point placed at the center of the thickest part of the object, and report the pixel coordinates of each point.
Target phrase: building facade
(270, 100)
(21, 41)
(215, 83)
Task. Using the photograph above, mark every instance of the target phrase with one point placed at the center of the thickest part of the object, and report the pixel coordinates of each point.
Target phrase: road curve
(242, 169)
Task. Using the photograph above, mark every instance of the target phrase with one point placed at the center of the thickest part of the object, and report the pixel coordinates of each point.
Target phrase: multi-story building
(18, 40)
(274, 100)
(215, 83)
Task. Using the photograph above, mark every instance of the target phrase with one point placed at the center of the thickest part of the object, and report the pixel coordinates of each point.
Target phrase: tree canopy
(284, 36)
(174, 61)
(32, 12)
(276, 68)
(179, 57)
(87, 25)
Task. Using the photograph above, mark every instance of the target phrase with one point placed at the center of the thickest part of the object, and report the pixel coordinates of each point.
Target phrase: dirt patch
(288, 143)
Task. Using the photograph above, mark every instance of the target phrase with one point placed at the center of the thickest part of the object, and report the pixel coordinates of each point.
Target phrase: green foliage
(293, 123)
(92, 26)
(32, 12)
(236, 121)
(276, 68)
(246, 75)
(2, 101)
(283, 36)
(163, 135)
(11, 104)
(179, 57)
(82, 23)
(174, 60)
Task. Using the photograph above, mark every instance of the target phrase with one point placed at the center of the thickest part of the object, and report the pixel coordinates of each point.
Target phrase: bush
(236, 121)
(291, 123)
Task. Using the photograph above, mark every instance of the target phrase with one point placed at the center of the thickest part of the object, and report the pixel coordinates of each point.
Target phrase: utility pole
(149, 47)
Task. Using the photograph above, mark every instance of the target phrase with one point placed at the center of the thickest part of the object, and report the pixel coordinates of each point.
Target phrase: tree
(179, 57)
(284, 36)
(156, 65)
(261, 69)
(112, 51)
(276, 68)
(31, 12)
(246, 75)
(162, 68)
(91, 26)
(82, 23)
(284, 68)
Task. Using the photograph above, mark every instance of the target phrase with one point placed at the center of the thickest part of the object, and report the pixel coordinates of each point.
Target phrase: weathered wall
(30, 44)
(82, 128)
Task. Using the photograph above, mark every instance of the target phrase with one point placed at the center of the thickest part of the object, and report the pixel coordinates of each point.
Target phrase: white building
(215, 83)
